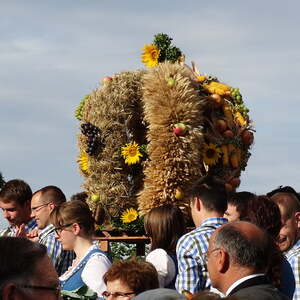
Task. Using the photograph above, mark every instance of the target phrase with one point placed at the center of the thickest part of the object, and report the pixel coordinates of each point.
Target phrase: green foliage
(121, 251)
(136, 226)
(2, 181)
(83, 293)
(167, 52)
(78, 111)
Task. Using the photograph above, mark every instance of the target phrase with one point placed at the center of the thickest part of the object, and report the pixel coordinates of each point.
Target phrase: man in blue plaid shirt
(289, 243)
(15, 197)
(208, 204)
(42, 204)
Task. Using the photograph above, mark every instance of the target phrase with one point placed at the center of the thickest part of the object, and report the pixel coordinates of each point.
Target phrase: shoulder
(262, 292)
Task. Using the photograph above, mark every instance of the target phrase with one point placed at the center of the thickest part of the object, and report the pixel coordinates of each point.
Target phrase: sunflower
(131, 153)
(129, 215)
(201, 78)
(217, 88)
(83, 161)
(150, 55)
(211, 154)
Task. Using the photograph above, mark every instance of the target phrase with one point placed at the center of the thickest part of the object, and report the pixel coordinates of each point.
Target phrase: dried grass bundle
(116, 109)
(170, 97)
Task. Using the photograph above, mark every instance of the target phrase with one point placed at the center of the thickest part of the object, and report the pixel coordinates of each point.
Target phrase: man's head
(207, 200)
(130, 277)
(236, 250)
(237, 206)
(43, 202)
(15, 199)
(26, 271)
(289, 207)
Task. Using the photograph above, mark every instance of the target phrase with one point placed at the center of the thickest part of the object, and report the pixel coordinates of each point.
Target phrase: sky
(54, 52)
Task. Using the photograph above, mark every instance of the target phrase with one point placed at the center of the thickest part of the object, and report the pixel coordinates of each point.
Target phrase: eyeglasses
(59, 229)
(37, 208)
(38, 287)
(106, 294)
(208, 253)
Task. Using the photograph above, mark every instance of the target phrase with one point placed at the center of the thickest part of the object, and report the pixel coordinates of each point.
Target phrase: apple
(106, 80)
(179, 193)
(247, 137)
(95, 197)
(179, 129)
(171, 82)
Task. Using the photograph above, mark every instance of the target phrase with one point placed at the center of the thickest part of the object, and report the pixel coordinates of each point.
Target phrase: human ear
(9, 292)
(223, 261)
(52, 206)
(76, 228)
(297, 219)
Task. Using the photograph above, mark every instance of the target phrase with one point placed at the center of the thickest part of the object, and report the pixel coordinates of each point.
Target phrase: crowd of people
(242, 246)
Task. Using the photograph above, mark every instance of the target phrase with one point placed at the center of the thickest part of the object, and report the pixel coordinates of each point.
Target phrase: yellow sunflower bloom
(217, 88)
(129, 215)
(83, 161)
(201, 78)
(150, 55)
(131, 153)
(211, 154)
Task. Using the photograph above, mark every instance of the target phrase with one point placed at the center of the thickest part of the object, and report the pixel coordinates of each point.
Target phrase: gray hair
(253, 253)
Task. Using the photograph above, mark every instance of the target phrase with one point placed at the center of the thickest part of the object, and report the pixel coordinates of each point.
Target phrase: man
(237, 206)
(26, 271)
(208, 204)
(288, 240)
(237, 258)
(42, 204)
(15, 197)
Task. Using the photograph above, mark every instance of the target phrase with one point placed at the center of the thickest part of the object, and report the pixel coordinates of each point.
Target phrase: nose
(32, 215)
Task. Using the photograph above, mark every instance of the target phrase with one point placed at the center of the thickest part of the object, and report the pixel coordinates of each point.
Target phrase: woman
(165, 225)
(74, 227)
(126, 279)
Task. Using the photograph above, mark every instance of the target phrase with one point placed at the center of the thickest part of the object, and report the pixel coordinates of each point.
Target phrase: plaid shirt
(192, 269)
(12, 230)
(61, 259)
(293, 257)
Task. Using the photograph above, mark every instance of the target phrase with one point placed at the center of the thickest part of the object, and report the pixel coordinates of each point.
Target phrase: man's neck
(207, 215)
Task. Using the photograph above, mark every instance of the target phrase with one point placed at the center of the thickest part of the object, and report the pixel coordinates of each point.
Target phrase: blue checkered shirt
(293, 257)
(61, 259)
(12, 230)
(191, 248)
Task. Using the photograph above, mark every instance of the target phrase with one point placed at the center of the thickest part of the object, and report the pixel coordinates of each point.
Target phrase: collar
(241, 280)
(214, 220)
(28, 226)
(45, 231)
(294, 249)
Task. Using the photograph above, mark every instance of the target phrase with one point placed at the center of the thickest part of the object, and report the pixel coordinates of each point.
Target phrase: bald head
(247, 245)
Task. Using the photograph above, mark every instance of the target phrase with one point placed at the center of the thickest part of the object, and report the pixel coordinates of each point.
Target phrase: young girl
(165, 225)
(74, 226)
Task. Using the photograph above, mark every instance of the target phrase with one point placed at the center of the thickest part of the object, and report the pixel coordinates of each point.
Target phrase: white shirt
(92, 274)
(238, 282)
(164, 265)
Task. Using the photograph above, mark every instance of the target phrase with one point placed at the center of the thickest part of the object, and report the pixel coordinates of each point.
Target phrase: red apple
(106, 80)
(179, 129)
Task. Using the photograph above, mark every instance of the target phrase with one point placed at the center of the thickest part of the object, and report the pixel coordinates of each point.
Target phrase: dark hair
(264, 213)
(240, 201)
(19, 259)
(244, 251)
(284, 189)
(16, 190)
(289, 201)
(165, 225)
(51, 193)
(80, 196)
(74, 212)
(212, 195)
(139, 275)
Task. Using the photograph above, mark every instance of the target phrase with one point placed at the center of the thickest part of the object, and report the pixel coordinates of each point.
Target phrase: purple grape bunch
(92, 133)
